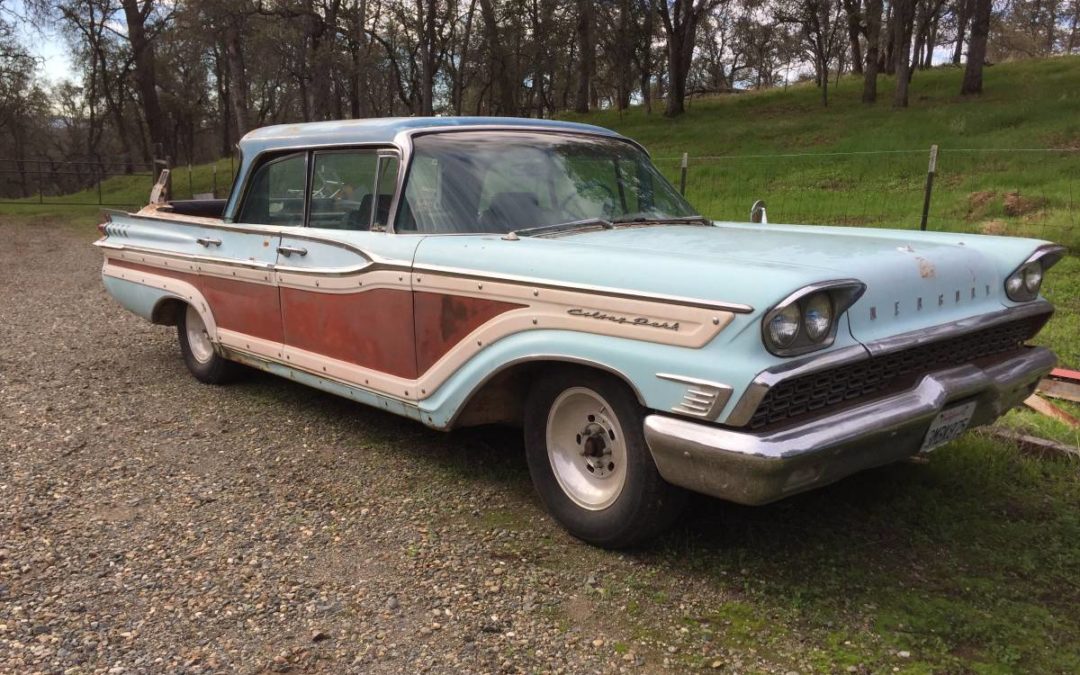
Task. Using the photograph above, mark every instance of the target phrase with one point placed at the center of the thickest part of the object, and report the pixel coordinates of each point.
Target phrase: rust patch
(926, 268)
(373, 329)
(443, 320)
(243, 306)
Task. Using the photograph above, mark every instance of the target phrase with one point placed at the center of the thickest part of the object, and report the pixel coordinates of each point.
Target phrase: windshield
(501, 181)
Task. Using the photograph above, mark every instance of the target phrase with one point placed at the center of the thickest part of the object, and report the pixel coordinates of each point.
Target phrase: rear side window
(276, 193)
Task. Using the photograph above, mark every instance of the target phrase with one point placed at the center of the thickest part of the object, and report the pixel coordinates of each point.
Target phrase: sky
(47, 45)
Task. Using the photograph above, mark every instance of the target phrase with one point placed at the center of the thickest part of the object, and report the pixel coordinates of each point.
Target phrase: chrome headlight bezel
(1018, 286)
(841, 294)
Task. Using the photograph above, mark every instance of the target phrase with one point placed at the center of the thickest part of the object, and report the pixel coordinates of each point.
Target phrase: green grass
(122, 192)
(733, 141)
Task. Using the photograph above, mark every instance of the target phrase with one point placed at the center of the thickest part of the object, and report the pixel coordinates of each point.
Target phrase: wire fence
(106, 183)
(1024, 192)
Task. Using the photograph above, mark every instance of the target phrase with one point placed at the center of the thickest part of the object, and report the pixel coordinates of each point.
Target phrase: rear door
(236, 272)
(345, 286)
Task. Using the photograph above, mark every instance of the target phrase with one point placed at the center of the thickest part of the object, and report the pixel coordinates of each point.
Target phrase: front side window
(342, 185)
(497, 182)
(276, 193)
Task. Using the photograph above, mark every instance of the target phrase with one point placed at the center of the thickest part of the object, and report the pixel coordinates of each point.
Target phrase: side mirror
(757, 213)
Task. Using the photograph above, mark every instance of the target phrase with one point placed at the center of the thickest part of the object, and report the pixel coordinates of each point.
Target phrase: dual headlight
(806, 320)
(1023, 284)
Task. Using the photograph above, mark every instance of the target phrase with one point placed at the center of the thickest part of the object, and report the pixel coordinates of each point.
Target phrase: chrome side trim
(755, 392)
(961, 327)
(175, 255)
(703, 398)
(587, 288)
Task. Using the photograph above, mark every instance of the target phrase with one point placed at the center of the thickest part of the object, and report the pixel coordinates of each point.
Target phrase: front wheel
(202, 361)
(589, 461)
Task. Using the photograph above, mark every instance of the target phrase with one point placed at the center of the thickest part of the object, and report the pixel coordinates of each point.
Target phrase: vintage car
(466, 271)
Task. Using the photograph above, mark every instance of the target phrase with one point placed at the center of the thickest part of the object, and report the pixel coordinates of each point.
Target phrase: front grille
(814, 392)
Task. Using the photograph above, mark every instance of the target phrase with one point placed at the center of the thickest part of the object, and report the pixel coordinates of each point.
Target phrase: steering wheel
(327, 184)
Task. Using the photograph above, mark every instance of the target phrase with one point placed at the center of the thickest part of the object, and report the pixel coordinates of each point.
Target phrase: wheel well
(501, 398)
(167, 312)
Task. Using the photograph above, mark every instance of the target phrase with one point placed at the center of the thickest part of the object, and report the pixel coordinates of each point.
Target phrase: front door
(345, 285)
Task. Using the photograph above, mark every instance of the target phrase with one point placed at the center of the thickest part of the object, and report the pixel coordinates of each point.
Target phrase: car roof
(384, 129)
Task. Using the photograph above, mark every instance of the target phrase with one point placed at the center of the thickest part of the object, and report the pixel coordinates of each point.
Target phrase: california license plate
(949, 425)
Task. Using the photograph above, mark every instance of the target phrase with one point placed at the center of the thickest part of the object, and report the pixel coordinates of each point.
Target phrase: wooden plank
(1063, 389)
(1032, 445)
(1066, 374)
(1044, 407)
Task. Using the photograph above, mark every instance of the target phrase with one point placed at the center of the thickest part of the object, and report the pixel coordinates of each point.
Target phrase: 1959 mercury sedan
(464, 271)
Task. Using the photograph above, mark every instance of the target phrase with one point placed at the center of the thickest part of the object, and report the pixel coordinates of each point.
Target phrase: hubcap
(197, 338)
(586, 448)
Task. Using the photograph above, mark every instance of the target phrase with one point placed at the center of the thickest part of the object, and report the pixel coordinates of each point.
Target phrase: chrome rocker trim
(760, 468)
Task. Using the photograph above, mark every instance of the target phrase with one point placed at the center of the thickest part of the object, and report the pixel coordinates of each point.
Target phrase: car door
(236, 272)
(345, 286)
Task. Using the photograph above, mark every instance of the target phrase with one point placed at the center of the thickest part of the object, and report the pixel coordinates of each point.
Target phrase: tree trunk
(980, 29)
(887, 62)
(426, 10)
(680, 22)
(506, 102)
(238, 86)
(145, 77)
(586, 56)
(963, 16)
(931, 42)
(902, 16)
(854, 21)
(873, 46)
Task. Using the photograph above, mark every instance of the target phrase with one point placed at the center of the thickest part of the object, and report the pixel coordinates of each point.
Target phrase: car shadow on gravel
(884, 518)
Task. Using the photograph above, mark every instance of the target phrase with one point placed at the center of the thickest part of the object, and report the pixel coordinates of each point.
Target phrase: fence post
(215, 181)
(682, 174)
(929, 186)
(99, 172)
(190, 185)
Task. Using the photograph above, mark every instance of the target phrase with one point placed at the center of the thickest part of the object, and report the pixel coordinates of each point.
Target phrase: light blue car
(465, 271)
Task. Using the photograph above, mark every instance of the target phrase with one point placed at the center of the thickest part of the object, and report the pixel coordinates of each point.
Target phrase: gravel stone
(150, 523)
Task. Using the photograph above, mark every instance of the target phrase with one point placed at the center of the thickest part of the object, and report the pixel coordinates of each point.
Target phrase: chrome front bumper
(751, 468)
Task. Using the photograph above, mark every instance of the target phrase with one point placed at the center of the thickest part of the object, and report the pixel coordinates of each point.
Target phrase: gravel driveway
(150, 523)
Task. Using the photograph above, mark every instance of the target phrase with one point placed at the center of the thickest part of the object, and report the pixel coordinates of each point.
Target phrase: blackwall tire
(202, 361)
(589, 462)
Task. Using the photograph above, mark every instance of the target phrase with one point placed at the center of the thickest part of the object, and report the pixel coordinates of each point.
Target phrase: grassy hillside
(857, 164)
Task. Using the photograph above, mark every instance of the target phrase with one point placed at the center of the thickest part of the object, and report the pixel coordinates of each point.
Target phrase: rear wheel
(204, 363)
(589, 461)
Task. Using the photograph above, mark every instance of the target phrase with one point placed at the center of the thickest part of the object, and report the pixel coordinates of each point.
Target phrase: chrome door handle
(289, 250)
(207, 242)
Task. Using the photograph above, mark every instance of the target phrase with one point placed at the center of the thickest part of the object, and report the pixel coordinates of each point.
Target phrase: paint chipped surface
(926, 268)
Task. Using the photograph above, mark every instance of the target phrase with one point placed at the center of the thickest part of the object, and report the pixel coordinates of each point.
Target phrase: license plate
(949, 425)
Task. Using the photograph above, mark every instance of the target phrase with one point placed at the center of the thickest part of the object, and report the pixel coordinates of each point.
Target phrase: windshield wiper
(540, 230)
(659, 220)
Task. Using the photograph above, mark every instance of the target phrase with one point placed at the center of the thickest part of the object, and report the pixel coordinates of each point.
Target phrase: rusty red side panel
(442, 321)
(240, 306)
(373, 329)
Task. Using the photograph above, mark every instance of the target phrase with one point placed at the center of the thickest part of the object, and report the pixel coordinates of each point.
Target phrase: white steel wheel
(586, 448)
(198, 338)
(202, 361)
(585, 445)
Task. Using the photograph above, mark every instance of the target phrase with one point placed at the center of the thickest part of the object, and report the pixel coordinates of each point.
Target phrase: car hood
(913, 279)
